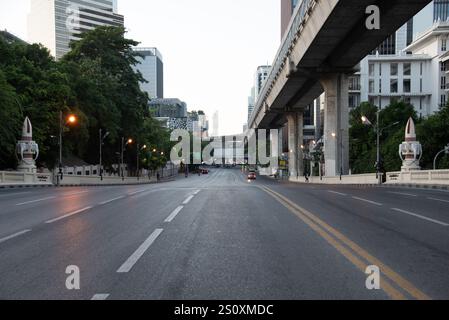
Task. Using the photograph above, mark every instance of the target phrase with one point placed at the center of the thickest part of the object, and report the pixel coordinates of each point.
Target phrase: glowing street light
(71, 119)
(130, 141)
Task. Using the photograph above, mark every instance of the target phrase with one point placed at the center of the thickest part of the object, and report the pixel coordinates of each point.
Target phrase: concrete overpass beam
(295, 122)
(336, 124)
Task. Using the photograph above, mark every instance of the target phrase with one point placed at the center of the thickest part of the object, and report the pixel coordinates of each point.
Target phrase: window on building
(407, 100)
(371, 86)
(420, 103)
(394, 69)
(372, 100)
(443, 100)
(407, 69)
(443, 83)
(420, 85)
(443, 66)
(380, 69)
(380, 85)
(394, 86)
(421, 69)
(371, 69)
(407, 86)
(443, 45)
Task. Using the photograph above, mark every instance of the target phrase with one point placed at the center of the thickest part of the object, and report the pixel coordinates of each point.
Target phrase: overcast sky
(211, 48)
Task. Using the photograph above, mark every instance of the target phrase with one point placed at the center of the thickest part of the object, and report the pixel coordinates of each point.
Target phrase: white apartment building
(418, 77)
(55, 23)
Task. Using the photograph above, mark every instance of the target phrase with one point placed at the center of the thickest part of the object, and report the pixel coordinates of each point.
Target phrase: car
(252, 176)
(204, 171)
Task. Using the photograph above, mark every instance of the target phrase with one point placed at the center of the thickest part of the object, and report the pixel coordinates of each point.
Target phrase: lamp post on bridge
(445, 150)
(379, 132)
(71, 119)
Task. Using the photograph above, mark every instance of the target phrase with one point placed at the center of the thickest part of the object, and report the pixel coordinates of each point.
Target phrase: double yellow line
(351, 251)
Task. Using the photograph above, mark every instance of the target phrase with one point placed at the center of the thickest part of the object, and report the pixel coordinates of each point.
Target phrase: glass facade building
(55, 23)
(152, 69)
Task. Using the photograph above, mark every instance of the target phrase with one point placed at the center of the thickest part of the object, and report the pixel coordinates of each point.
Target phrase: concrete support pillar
(336, 124)
(295, 140)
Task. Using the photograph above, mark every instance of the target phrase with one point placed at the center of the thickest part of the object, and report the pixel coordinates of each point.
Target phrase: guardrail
(25, 178)
(301, 13)
(432, 177)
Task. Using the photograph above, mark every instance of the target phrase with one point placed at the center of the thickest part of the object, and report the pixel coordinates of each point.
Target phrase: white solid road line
(14, 235)
(186, 201)
(196, 192)
(100, 296)
(68, 215)
(132, 260)
(440, 200)
(421, 217)
(339, 193)
(33, 201)
(174, 214)
(403, 194)
(368, 201)
(111, 200)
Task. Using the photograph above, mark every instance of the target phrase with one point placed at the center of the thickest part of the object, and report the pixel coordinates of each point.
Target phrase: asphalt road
(222, 237)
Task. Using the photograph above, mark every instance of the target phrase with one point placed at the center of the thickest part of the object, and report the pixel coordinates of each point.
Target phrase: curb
(27, 186)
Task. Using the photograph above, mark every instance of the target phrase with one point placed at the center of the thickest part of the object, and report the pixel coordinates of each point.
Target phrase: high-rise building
(251, 103)
(152, 69)
(55, 23)
(287, 9)
(261, 76)
(397, 41)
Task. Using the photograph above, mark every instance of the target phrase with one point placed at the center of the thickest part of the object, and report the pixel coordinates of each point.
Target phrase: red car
(252, 176)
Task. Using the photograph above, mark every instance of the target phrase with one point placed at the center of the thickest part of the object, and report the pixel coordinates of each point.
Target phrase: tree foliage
(431, 132)
(95, 80)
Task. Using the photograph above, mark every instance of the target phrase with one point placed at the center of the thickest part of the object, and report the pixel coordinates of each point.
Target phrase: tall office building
(251, 103)
(397, 41)
(261, 76)
(152, 68)
(287, 9)
(55, 23)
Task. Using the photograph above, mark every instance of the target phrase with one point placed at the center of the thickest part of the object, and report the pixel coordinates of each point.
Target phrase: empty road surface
(219, 236)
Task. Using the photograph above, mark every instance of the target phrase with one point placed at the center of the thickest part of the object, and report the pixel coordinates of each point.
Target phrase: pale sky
(211, 48)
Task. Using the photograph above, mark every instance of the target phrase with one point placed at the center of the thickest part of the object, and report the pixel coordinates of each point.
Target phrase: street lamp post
(138, 158)
(102, 137)
(123, 145)
(379, 131)
(71, 119)
(445, 150)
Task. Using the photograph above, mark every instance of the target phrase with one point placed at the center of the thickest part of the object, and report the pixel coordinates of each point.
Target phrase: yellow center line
(326, 231)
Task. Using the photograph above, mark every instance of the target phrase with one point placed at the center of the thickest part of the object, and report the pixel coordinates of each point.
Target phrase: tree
(363, 149)
(433, 134)
(10, 119)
